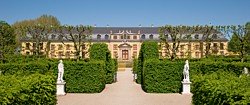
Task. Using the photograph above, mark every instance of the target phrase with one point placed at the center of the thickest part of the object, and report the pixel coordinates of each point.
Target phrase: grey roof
(143, 30)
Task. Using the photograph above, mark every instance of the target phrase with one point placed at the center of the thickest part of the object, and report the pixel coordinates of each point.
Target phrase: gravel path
(124, 92)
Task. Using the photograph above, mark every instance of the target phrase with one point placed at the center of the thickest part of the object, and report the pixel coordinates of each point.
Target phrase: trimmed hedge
(100, 51)
(149, 50)
(204, 67)
(84, 77)
(25, 68)
(34, 89)
(162, 77)
(221, 88)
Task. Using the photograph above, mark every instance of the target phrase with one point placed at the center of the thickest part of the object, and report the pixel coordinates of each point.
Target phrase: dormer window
(151, 36)
(196, 36)
(106, 36)
(53, 36)
(98, 36)
(143, 36)
(214, 36)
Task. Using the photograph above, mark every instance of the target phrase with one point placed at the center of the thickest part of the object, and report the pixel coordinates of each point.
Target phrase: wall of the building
(62, 51)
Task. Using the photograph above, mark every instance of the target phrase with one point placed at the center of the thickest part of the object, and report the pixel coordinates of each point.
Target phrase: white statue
(60, 71)
(186, 72)
(246, 71)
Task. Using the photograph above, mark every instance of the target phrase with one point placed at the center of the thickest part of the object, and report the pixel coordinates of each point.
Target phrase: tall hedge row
(100, 51)
(34, 89)
(25, 68)
(221, 88)
(162, 77)
(84, 77)
(149, 50)
(204, 67)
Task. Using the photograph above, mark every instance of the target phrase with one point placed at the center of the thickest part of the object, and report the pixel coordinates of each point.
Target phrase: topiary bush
(149, 50)
(221, 88)
(162, 77)
(34, 89)
(84, 77)
(100, 51)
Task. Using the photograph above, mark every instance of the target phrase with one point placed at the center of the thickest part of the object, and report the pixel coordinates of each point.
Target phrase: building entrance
(125, 55)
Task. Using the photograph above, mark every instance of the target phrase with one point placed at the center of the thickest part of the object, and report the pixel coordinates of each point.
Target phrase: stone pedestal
(60, 88)
(186, 87)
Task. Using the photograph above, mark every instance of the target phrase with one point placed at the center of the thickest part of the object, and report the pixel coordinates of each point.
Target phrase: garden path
(124, 92)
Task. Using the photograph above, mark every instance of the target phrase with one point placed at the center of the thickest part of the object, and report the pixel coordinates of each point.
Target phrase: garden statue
(246, 71)
(60, 71)
(186, 72)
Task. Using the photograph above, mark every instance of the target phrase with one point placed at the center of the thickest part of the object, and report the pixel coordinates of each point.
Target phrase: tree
(239, 39)
(208, 35)
(38, 30)
(80, 36)
(7, 40)
(171, 36)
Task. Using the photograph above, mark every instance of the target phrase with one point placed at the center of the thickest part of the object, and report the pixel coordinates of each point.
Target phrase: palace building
(124, 43)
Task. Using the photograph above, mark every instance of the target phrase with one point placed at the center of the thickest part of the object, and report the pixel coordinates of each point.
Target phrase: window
(106, 36)
(60, 47)
(52, 54)
(53, 47)
(60, 37)
(27, 46)
(68, 47)
(67, 54)
(41, 46)
(53, 36)
(134, 46)
(151, 36)
(60, 54)
(128, 37)
(215, 46)
(222, 46)
(27, 53)
(214, 36)
(115, 54)
(189, 46)
(98, 36)
(122, 37)
(83, 47)
(134, 37)
(196, 36)
(115, 37)
(143, 36)
(197, 54)
(182, 47)
(182, 54)
(197, 47)
(115, 47)
(134, 54)
(221, 52)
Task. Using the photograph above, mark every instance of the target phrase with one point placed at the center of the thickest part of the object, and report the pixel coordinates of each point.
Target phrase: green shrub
(34, 89)
(25, 68)
(162, 77)
(149, 50)
(135, 61)
(84, 77)
(204, 67)
(100, 51)
(221, 88)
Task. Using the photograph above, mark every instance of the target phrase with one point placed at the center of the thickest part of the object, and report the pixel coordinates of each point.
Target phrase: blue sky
(127, 13)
